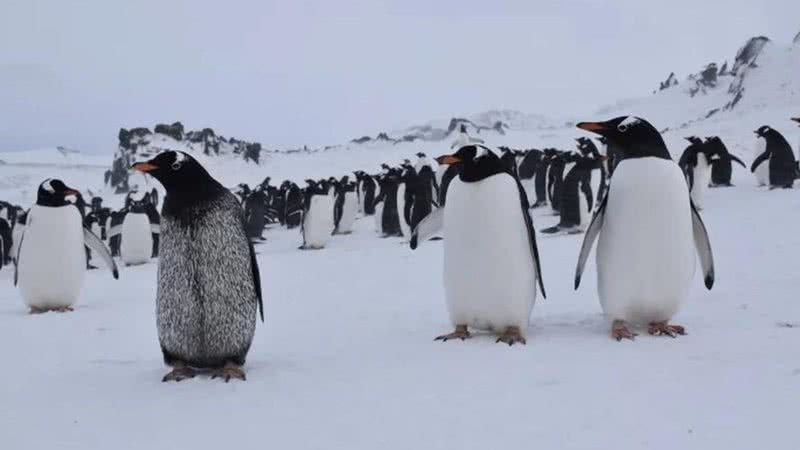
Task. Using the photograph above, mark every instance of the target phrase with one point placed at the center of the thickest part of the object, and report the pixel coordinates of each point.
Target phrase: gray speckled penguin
(208, 282)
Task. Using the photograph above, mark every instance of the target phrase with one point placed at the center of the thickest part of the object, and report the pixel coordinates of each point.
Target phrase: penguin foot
(63, 309)
(512, 336)
(35, 310)
(229, 372)
(461, 332)
(179, 373)
(620, 331)
(665, 329)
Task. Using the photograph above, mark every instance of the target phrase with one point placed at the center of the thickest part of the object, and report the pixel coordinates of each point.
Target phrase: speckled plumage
(207, 292)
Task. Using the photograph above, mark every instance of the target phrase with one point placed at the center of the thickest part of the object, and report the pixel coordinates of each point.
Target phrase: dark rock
(175, 131)
(361, 140)
(671, 80)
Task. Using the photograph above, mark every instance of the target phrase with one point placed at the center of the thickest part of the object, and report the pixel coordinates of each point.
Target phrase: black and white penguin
(294, 206)
(721, 162)
(509, 159)
(599, 174)
(696, 165)
(345, 207)
(772, 148)
(367, 189)
(52, 261)
(387, 210)
(6, 233)
(491, 261)
(645, 261)
(20, 220)
(555, 177)
(317, 225)
(406, 198)
(577, 198)
(255, 213)
(428, 184)
(526, 170)
(135, 231)
(209, 286)
(541, 178)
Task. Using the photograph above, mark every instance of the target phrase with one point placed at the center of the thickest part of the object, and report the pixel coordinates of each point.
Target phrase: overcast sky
(289, 73)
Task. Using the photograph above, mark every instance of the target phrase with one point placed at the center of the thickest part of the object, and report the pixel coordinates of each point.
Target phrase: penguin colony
(479, 199)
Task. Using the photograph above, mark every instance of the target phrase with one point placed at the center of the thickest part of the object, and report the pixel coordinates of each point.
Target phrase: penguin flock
(479, 200)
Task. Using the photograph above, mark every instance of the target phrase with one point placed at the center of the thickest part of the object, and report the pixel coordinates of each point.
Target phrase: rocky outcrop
(140, 143)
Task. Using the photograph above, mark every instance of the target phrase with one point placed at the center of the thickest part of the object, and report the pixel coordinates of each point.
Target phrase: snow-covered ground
(346, 358)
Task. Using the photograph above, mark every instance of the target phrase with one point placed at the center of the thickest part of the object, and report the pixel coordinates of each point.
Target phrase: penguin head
(177, 172)
(53, 192)
(474, 162)
(763, 131)
(630, 137)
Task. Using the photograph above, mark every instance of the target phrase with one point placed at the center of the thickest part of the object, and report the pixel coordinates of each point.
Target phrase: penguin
(51, 260)
(429, 185)
(255, 213)
(696, 165)
(576, 198)
(345, 207)
(599, 175)
(366, 188)
(721, 159)
(115, 231)
(294, 206)
(526, 171)
(209, 286)
(136, 232)
(509, 159)
(17, 232)
(555, 177)
(406, 198)
(387, 211)
(540, 178)
(491, 261)
(317, 225)
(647, 230)
(781, 169)
(6, 234)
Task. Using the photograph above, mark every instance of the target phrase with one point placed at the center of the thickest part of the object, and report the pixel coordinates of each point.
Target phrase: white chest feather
(52, 260)
(318, 221)
(645, 250)
(489, 272)
(762, 171)
(136, 246)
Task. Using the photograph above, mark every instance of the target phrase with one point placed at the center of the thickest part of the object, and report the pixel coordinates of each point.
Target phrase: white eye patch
(48, 186)
(481, 151)
(626, 124)
(180, 157)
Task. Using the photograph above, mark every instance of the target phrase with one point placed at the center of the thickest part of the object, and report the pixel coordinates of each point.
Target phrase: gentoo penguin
(526, 170)
(555, 177)
(491, 262)
(541, 176)
(367, 190)
(345, 207)
(6, 236)
(317, 224)
(209, 287)
(576, 198)
(599, 174)
(406, 197)
(51, 261)
(509, 159)
(696, 165)
(428, 184)
(294, 206)
(136, 232)
(255, 213)
(648, 231)
(781, 168)
(388, 211)
(17, 233)
(721, 162)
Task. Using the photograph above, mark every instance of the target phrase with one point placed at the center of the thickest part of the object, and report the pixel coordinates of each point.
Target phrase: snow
(346, 358)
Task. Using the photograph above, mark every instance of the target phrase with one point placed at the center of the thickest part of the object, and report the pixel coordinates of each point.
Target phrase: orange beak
(594, 127)
(448, 160)
(144, 167)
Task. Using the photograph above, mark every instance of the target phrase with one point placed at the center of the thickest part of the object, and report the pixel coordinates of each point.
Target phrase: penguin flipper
(703, 245)
(588, 240)
(16, 258)
(96, 245)
(256, 279)
(761, 158)
(734, 158)
(526, 214)
(427, 227)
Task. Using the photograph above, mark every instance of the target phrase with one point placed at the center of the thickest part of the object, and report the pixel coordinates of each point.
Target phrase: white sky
(289, 73)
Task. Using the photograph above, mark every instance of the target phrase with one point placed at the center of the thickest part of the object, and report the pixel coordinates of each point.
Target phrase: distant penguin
(345, 207)
(255, 214)
(696, 165)
(388, 206)
(428, 182)
(648, 233)
(509, 160)
(136, 233)
(491, 261)
(317, 225)
(775, 163)
(541, 178)
(721, 162)
(294, 206)
(51, 261)
(526, 171)
(209, 286)
(406, 198)
(115, 231)
(599, 174)
(555, 176)
(577, 198)
(17, 232)
(366, 191)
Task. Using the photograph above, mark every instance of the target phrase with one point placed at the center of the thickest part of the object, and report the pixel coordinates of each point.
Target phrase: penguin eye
(176, 166)
(622, 128)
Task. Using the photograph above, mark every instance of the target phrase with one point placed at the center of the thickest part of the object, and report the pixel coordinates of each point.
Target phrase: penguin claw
(461, 332)
(179, 374)
(511, 336)
(620, 331)
(229, 372)
(665, 329)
